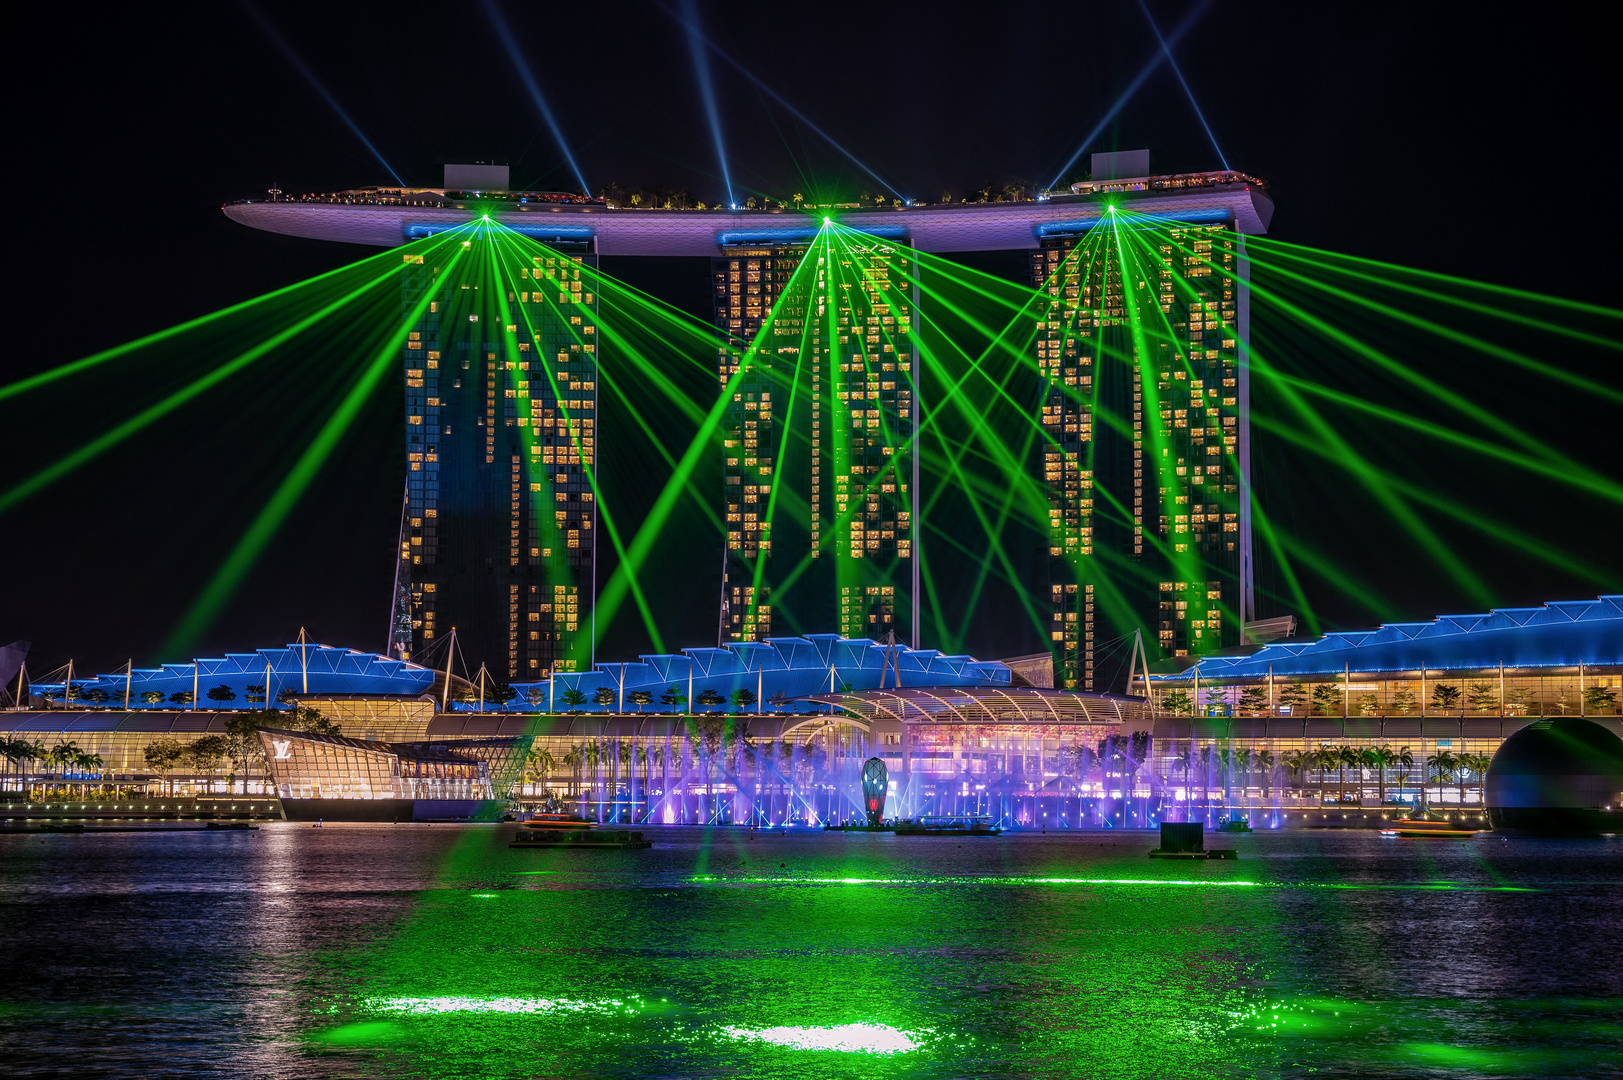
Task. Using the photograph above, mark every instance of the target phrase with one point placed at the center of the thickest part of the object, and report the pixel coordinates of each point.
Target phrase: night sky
(1467, 140)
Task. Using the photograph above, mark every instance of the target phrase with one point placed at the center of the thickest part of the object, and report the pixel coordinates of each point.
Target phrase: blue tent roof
(1562, 633)
(778, 670)
(325, 669)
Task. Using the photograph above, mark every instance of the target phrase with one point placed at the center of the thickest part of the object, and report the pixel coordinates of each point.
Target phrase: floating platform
(1213, 853)
(618, 839)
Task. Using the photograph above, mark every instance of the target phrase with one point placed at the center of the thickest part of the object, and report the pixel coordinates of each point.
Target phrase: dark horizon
(1395, 134)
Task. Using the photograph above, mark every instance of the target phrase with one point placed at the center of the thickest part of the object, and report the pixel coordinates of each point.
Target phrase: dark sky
(1465, 140)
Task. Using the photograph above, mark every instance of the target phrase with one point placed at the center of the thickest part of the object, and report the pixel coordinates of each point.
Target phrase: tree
(1484, 697)
(1403, 702)
(242, 732)
(639, 698)
(604, 697)
(162, 755)
(87, 764)
(743, 699)
(181, 697)
(1265, 764)
(1445, 697)
(537, 695)
(574, 699)
(151, 697)
(1474, 764)
(287, 696)
(1254, 699)
(1325, 758)
(1327, 698)
(1440, 767)
(1344, 756)
(1599, 699)
(222, 694)
(254, 694)
(500, 693)
(1380, 758)
(1298, 762)
(1519, 701)
(709, 698)
(96, 695)
(204, 754)
(1293, 696)
(674, 696)
(1178, 702)
(538, 763)
(1368, 705)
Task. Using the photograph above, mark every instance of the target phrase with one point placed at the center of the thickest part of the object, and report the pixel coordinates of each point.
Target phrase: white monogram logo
(284, 750)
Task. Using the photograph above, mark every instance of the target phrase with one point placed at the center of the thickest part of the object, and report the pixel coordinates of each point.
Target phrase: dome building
(1560, 777)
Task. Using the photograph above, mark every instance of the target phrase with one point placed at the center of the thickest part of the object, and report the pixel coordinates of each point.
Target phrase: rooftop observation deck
(389, 217)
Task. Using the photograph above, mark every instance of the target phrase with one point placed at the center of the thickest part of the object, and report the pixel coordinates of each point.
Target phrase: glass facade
(820, 479)
(1144, 409)
(498, 533)
(304, 766)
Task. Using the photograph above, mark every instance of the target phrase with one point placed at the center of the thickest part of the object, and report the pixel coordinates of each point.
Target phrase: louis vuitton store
(334, 778)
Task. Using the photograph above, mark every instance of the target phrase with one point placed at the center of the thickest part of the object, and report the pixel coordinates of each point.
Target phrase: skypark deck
(389, 217)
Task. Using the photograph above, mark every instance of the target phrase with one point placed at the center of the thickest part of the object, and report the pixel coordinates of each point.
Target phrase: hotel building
(820, 475)
(497, 537)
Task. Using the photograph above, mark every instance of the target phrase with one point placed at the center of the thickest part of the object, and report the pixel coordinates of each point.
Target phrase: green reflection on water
(850, 1038)
(627, 968)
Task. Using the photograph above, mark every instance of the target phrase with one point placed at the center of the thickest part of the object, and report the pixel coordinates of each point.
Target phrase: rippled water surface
(384, 951)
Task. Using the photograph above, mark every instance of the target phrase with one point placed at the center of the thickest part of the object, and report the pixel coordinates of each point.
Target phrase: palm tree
(1440, 766)
(1477, 764)
(1298, 762)
(87, 763)
(1265, 764)
(1405, 758)
(1379, 758)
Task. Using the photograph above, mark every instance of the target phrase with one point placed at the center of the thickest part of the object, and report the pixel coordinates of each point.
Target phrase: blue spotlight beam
(701, 71)
(1132, 88)
(1172, 62)
(293, 58)
(775, 96)
(505, 32)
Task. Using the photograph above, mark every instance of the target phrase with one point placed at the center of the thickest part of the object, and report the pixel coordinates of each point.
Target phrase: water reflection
(402, 951)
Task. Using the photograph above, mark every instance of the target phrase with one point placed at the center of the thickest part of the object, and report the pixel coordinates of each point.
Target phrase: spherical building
(1559, 777)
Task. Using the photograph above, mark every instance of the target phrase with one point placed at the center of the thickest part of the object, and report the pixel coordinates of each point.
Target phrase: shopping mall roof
(1561, 634)
(1025, 706)
(778, 673)
(300, 667)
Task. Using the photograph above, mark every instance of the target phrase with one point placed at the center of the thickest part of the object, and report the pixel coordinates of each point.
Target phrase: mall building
(777, 732)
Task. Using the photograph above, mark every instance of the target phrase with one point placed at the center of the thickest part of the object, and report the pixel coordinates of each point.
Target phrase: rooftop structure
(1563, 634)
(388, 217)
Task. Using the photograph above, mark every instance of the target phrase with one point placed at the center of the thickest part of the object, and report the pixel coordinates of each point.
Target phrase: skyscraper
(497, 537)
(1141, 345)
(820, 476)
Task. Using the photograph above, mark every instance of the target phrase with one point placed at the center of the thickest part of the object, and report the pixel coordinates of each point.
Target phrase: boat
(1417, 828)
(556, 821)
(947, 826)
(572, 838)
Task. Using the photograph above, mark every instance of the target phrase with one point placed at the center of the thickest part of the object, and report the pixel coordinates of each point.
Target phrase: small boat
(590, 837)
(947, 826)
(1416, 828)
(557, 821)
